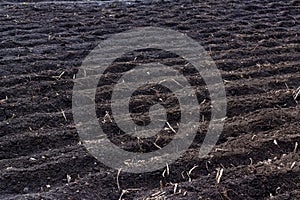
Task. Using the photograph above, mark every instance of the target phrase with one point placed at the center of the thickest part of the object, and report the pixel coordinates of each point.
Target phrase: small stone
(26, 189)
(32, 159)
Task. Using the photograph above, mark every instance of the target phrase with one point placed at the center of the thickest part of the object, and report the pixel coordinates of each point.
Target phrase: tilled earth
(255, 45)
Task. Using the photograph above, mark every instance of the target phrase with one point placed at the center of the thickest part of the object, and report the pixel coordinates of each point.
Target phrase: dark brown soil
(255, 45)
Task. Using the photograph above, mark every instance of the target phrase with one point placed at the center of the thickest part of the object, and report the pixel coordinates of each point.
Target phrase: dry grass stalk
(171, 127)
(106, 117)
(64, 115)
(296, 93)
(69, 178)
(295, 148)
(293, 164)
(118, 183)
(219, 175)
(126, 192)
(168, 169)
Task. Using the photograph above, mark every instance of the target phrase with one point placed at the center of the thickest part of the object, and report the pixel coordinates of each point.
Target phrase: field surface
(255, 45)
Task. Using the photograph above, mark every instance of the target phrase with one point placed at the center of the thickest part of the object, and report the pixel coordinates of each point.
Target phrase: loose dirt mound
(255, 45)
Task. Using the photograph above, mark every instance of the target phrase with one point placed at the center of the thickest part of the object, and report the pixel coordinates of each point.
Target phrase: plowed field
(255, 45)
